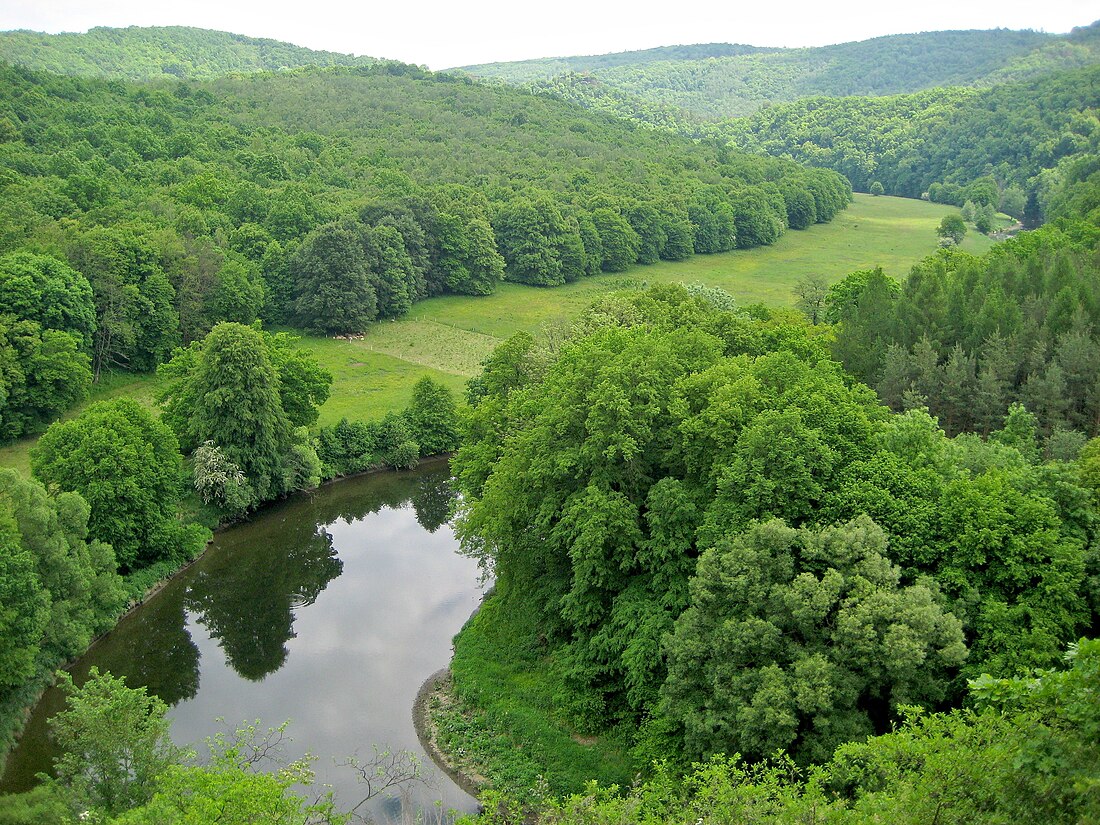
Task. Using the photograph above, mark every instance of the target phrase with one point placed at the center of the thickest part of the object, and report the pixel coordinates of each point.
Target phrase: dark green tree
(228, 391)
(333, 292)
(618, 240)
(43, 289)
(26, 606)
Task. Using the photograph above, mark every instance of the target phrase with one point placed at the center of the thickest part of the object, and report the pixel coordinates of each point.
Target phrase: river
(329, 610)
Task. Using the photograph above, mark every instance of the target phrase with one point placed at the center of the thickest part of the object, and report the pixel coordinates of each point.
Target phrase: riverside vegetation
(749, 560)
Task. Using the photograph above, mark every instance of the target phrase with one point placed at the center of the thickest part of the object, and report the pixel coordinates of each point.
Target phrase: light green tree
(952, 229)
(114, 742)
(799, 639)
(126, 464)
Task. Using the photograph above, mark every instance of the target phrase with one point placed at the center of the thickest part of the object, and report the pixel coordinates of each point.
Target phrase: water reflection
(328, 610)
(246, 600)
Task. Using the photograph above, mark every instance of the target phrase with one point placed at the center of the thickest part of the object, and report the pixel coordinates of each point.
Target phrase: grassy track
(448, 337)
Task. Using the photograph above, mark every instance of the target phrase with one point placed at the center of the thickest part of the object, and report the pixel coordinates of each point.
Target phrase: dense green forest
(937, 114)
(138, 53)
(831, 563)
(715, 85)
(160, 210)
(709, 540)
(525, 71)
(1011, 145)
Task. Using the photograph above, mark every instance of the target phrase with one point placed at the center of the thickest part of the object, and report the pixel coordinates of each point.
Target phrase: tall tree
(228, 392)
(332, 284)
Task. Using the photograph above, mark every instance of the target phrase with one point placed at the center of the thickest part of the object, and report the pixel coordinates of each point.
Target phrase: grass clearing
(366, 383)
(893, 233)
(448, 337)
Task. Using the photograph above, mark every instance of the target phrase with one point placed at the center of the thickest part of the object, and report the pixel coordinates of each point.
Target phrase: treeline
(139, 53)
(154, 212)
(723, 545)
(969, 336)
(1012, 146)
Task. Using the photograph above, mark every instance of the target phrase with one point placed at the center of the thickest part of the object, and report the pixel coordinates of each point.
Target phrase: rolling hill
(714, 84)
(137, 53)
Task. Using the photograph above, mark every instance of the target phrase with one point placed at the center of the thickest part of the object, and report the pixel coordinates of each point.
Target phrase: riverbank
(495, 720)
(434, 699)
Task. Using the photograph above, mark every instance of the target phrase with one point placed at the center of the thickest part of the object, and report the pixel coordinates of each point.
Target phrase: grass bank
(498, 724)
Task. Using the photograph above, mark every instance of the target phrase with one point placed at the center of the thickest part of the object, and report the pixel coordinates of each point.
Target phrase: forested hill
(543, 68)
(738, 84)
(138, 53)
(326, 199)
(1021, 140)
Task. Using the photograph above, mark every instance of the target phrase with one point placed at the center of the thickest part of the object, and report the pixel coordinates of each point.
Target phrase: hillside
(718, 85)
(137, 53)
(1019, 138)
(325, 200)
(544, 68)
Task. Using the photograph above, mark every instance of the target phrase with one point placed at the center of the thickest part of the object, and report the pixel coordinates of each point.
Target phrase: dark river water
(328, 610)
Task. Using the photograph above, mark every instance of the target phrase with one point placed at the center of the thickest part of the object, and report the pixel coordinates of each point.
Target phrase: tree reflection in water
(247, 604)
(246, 598)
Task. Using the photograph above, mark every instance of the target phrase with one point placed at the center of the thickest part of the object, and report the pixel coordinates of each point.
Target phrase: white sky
(446, 33)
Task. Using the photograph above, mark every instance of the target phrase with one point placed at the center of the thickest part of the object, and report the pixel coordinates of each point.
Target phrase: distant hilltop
(138, 53)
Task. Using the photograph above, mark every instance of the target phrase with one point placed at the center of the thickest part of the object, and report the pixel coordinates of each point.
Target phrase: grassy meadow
(448, 337)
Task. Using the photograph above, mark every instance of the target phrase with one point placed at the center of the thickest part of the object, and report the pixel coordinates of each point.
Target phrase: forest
(941, 113)
(835, 561)
(724, 81)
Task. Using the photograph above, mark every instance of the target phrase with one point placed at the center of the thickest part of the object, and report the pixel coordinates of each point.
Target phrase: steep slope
(137, 53)
(1021, 137)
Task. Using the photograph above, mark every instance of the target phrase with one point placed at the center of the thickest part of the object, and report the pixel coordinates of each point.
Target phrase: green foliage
(222, 201)
(658, 430)
(85, 592)
(59, 590)
(501, 716)
(229, 788)
(432, 418)
(126, 464)
(114, 743)
(796, 640)
(230, 395)
(333, 292)
(944, 143)
(24, 606)
(42, 373)
(35, 807)
(968, 337)
(169, 52)
(952, 229)
(586, 483)
(1029, 754)
(219, 481)
(245, 390)
(723, 80)
(118, 765)
(45, 290)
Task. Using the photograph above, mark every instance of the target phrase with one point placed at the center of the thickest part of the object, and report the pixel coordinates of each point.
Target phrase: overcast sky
(446, 33)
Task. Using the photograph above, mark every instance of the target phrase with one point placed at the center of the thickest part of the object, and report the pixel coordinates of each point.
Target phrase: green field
(448, 337)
